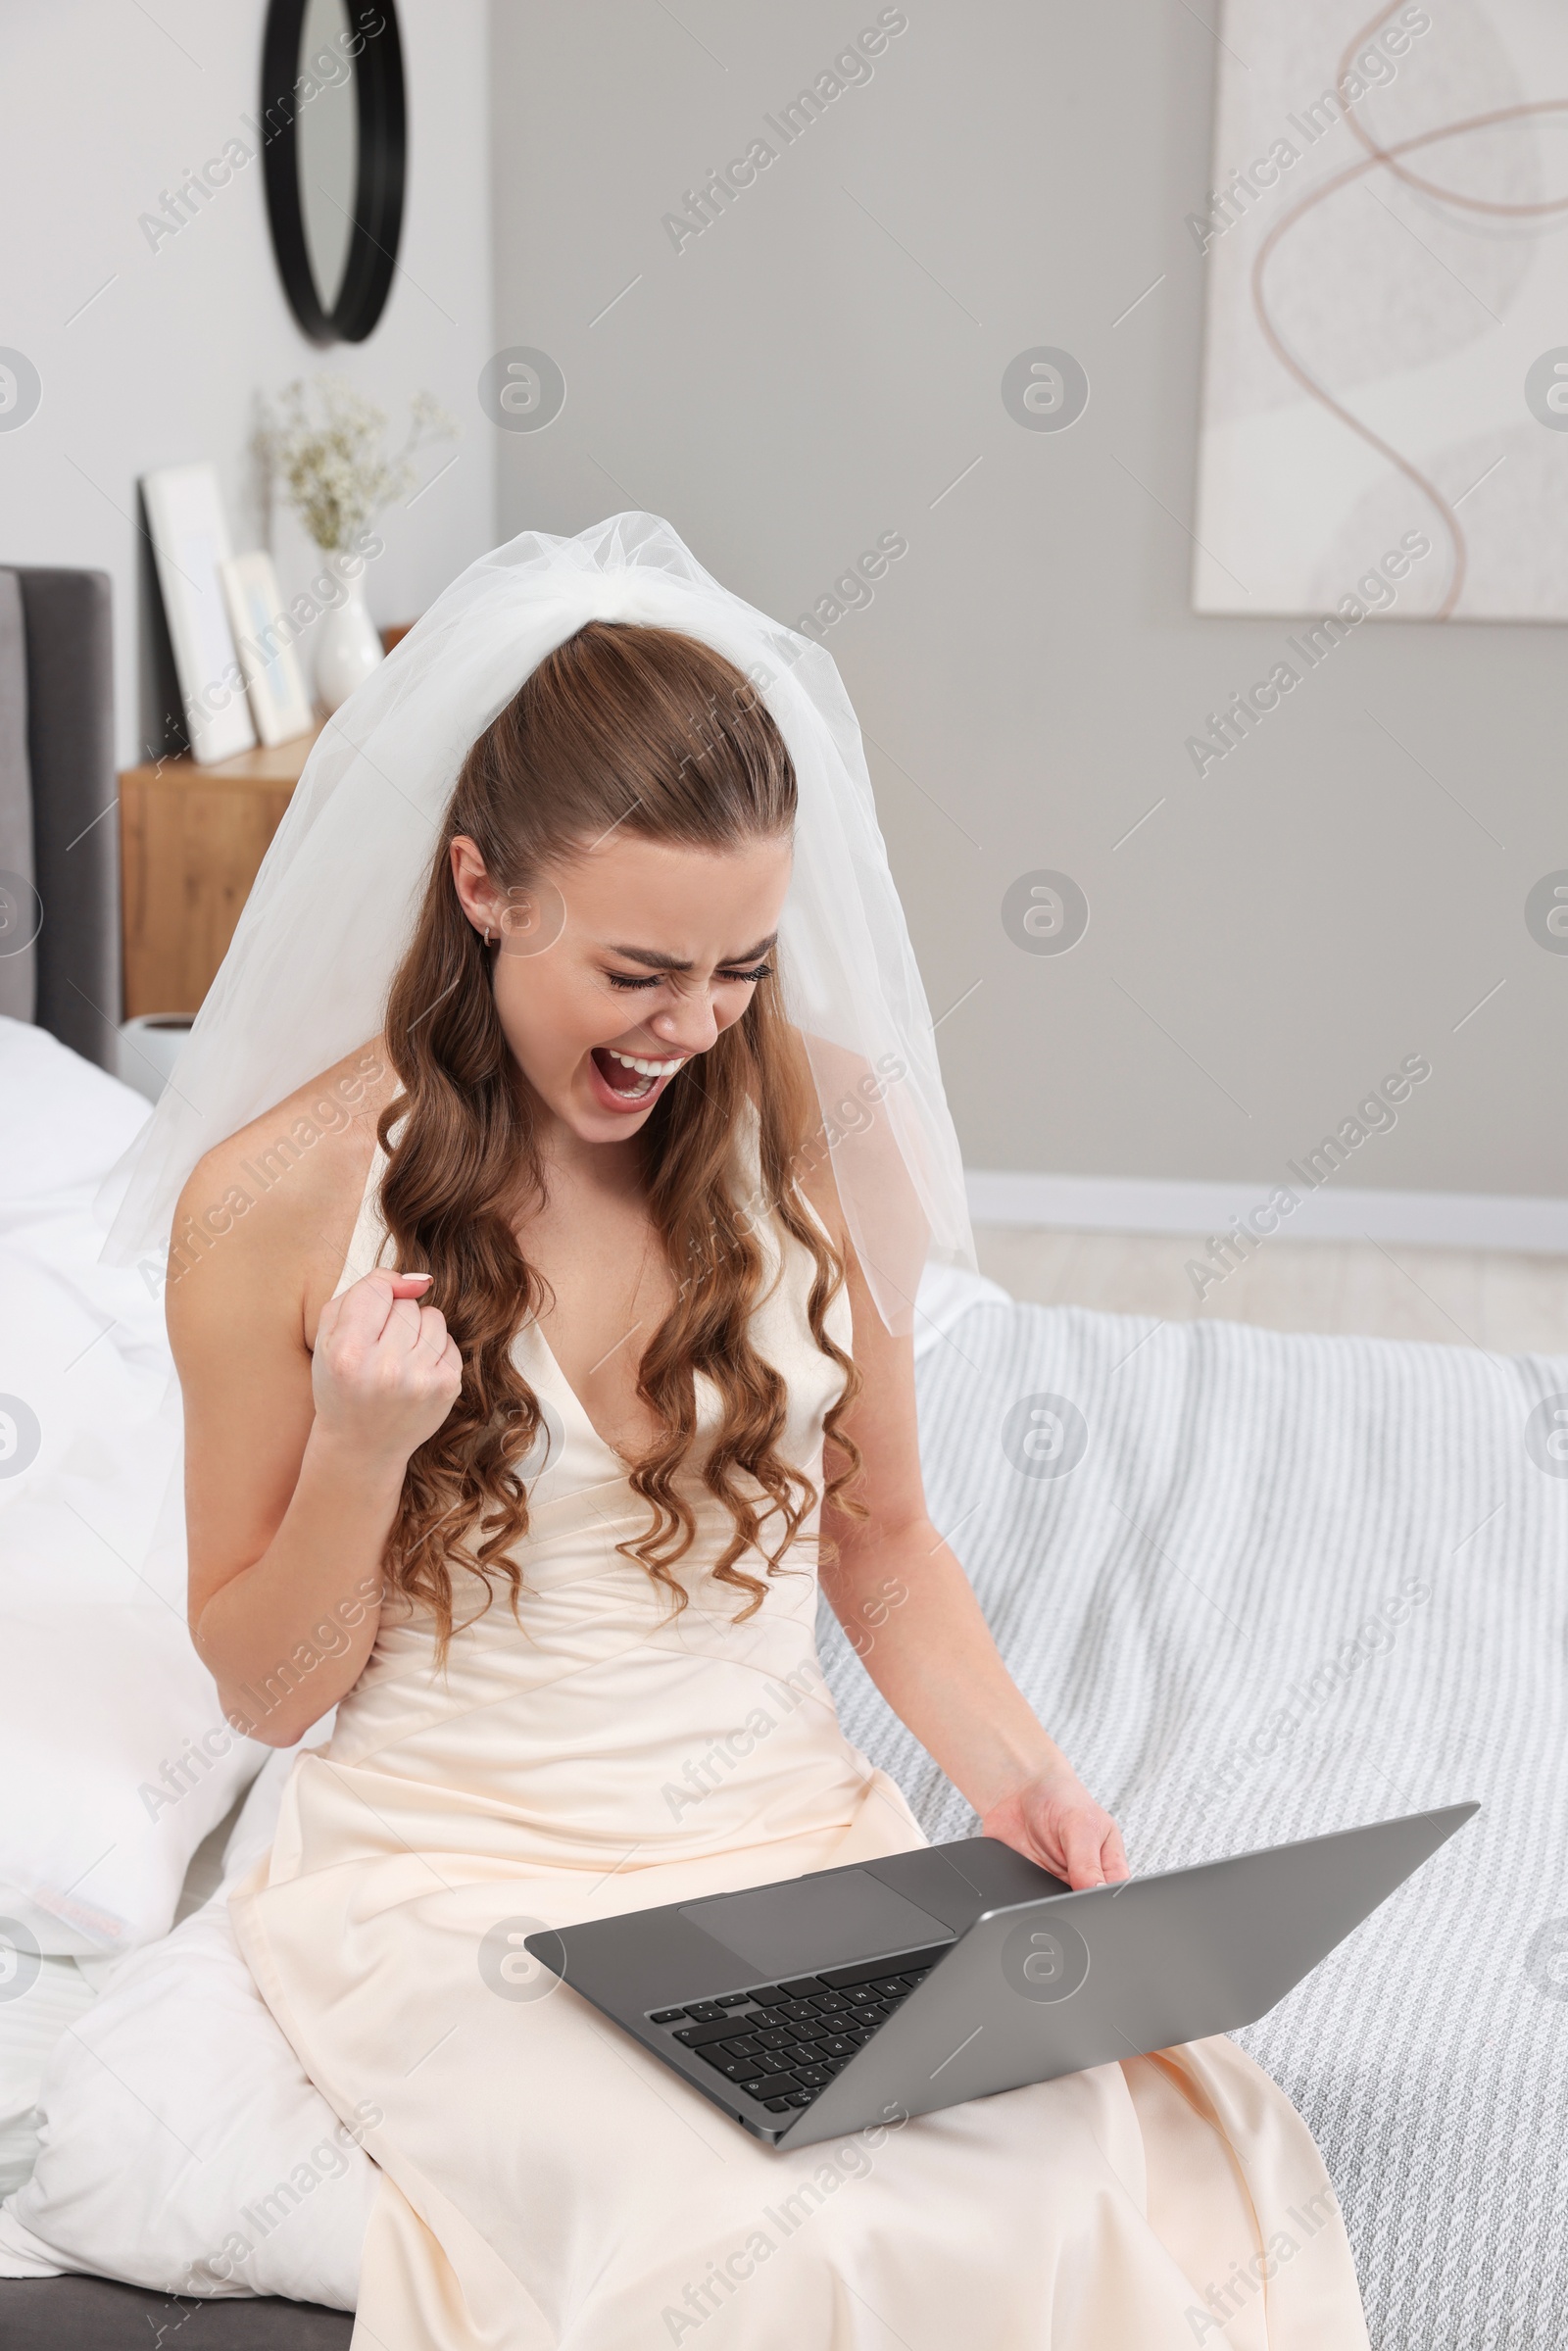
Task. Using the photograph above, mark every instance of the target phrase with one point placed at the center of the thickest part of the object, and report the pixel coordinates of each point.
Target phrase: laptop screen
(812, 1923)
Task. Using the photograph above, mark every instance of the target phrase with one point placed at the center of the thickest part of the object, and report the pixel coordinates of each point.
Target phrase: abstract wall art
(1386, 356)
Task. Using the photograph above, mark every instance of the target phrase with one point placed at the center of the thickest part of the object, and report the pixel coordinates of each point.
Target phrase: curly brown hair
(650, 730)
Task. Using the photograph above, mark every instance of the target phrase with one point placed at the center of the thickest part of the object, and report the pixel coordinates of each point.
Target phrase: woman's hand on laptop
(1053, 1820)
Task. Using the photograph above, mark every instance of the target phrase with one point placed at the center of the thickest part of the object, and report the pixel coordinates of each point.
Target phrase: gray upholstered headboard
(58, 823)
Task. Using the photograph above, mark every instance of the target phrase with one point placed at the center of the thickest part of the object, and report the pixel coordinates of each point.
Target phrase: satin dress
(547, 2185)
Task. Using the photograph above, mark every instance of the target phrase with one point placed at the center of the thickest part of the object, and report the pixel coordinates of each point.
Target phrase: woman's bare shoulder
(270, 1211)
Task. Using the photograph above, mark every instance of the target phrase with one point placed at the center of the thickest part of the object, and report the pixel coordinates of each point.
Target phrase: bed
(1257, 1586)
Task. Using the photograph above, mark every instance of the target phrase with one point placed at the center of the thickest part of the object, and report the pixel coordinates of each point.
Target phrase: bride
(542, 1353)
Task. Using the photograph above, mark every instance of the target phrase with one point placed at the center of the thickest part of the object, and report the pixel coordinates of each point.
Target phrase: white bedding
(183, 2148)
(50, 1999)
(113, 1755)
(1291, 1584)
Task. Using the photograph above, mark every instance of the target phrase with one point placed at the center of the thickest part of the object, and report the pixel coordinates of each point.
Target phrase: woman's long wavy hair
(650, 732)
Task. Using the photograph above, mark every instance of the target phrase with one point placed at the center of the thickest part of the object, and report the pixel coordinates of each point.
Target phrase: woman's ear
(478, 896)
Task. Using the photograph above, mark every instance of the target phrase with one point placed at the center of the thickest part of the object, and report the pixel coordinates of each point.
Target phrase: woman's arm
(911, 1616)
(300, 1418)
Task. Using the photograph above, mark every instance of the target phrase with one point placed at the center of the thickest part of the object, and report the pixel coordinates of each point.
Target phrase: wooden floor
(1488, 1299)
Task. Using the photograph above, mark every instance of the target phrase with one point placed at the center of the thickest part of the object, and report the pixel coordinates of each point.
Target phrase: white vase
(147, 1048)
(348, 647)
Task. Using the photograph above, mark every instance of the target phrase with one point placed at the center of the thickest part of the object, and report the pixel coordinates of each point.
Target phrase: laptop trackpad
(812, 1923)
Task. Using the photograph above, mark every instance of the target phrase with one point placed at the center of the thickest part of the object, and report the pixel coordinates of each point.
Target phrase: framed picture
(1385, 406)
(280, 706)
(190, 541)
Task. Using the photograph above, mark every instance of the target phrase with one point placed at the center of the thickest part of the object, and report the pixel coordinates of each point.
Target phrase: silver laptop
(849, 1998)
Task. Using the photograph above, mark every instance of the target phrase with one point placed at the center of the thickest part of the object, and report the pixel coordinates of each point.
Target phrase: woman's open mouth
(630, 1081)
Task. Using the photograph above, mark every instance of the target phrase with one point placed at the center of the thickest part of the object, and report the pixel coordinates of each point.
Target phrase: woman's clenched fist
(385, 1373)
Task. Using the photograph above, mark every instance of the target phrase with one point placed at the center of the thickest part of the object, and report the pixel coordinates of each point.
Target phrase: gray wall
(819, 365)
(153, 353)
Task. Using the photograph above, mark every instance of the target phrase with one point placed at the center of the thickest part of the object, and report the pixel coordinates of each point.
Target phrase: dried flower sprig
(326, 445)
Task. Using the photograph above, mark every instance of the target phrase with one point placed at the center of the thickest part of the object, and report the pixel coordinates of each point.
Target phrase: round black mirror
(336, 140)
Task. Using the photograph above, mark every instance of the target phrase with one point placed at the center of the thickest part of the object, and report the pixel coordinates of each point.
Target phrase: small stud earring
(487, 934)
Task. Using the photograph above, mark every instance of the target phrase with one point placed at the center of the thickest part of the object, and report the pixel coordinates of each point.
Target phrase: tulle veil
(306, 975)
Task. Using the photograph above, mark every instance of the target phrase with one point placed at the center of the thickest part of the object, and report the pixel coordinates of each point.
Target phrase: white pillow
(114, 1754)
(182, 2147)
(67, 1122)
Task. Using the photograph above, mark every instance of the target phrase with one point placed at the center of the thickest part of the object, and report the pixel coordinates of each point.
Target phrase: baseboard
(1331, 1212)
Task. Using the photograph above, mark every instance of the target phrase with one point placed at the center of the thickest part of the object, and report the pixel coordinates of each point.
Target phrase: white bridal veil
(306, 977)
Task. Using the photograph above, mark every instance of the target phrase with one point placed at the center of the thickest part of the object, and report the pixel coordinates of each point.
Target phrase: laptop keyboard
(782, 2043)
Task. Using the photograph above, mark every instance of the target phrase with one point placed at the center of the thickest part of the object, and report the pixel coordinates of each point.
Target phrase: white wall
(811, 371)
(819, 366)
(105, 105)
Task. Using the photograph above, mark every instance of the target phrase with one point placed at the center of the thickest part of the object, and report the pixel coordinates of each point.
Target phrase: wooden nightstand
(191, 840)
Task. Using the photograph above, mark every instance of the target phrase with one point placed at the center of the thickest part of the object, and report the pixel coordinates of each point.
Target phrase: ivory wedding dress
(547, 2185)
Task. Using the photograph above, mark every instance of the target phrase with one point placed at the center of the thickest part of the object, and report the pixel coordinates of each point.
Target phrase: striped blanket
(1260, 1586)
